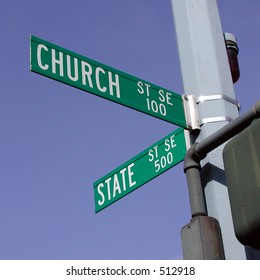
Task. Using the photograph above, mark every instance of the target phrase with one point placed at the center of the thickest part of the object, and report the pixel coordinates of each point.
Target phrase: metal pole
(196, 194)
(206, 75)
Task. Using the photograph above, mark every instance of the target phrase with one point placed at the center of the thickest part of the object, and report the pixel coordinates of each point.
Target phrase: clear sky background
(56, 141)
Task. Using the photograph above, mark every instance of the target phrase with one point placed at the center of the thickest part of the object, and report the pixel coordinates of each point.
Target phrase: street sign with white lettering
(96, 78)
(147, 165)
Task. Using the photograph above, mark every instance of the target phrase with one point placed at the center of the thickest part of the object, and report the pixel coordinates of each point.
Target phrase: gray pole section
(206, 75)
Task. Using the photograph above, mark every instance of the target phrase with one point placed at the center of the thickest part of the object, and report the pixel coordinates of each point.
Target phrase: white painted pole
(206, 75)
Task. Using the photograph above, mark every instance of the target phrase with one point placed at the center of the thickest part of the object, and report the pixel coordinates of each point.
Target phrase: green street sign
(86, 74)
(147, 165)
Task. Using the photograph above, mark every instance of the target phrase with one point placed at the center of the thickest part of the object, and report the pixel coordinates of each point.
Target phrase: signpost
(147, 165)
(208, 71)
(83, 73)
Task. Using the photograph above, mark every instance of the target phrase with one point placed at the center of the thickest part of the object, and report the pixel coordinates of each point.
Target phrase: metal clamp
(218, 97)
(216, 119)
(191, 112)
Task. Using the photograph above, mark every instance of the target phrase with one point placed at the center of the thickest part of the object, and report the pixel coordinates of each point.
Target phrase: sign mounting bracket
(191, 112)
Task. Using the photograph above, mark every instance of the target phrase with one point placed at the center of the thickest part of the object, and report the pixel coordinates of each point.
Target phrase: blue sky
(56, 141)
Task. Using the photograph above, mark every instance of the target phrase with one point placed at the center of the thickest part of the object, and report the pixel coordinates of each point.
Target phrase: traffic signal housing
(241, 157)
